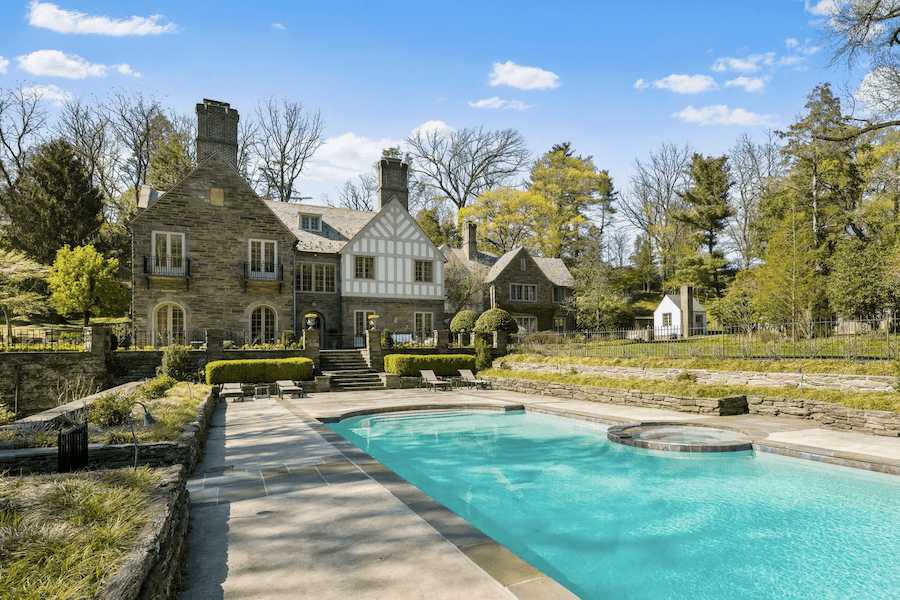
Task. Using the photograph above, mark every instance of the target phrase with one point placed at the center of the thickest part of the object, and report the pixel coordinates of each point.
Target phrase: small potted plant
(373, 320)
(311, 320)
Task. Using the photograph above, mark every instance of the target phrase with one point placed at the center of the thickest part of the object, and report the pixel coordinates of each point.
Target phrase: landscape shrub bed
(65, 536)
(409, 365)
(258, 370)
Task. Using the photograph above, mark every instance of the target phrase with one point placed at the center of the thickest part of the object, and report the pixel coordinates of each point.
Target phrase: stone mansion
(210, 253)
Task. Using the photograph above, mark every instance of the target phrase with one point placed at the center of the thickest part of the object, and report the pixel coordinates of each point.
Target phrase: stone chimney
(217, 131)
(393, 179)
(687, 310)
(469, 241)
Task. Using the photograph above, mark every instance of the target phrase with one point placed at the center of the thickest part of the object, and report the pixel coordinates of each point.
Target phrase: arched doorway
(169, 323)
(262, 325)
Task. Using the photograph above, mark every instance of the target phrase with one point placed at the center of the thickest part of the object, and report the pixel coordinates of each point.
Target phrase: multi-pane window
(559, 295)
(559, 324)
(360, 325)
(523, 292)
(424, 271)
(424, 324)
(527, 325)
(262, 257)
(168, 253)
(310, 222)
(667, 320)
(262, 325)
(365, 267)
(316, 278)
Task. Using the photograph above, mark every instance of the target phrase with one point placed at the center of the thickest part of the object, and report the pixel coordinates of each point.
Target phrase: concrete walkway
(284, 508)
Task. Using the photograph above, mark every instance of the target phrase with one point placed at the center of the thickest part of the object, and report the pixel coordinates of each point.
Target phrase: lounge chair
(232, 390)
(431, 380)
(471, 380)
(286, 386)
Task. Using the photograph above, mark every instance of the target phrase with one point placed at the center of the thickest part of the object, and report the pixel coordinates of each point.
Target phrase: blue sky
(616, 79)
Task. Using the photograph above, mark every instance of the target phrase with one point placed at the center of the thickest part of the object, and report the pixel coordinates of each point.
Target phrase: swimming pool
(611, 521)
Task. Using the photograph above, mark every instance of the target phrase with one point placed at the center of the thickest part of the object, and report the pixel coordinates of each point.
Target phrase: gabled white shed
(667, 317)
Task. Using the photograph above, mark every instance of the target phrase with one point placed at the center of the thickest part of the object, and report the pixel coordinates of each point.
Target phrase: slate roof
(556, 271)
(484, 258)
(339, 225)
(676, 298)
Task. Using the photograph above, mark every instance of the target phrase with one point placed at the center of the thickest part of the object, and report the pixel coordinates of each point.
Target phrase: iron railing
(166, 266)
(23, 339)
(255, 271)
(840, 339)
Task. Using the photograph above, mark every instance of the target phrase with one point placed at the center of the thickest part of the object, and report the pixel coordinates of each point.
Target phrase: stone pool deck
(282, 507)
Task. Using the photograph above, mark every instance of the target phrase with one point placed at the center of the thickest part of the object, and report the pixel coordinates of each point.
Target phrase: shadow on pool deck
(282, 507)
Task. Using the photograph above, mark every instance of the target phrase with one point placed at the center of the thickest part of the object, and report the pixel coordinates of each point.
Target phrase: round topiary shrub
(464, 321)
(483, 357)
(496, 319)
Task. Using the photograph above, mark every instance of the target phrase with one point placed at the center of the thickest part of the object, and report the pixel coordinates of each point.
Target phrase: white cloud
(47, 15)
(791, 43)
(722, 115)
(279, 26)
(47, 92)
(640, 84)
(686, 84)
(496, 102)
(3, 64)
(524, 78)
(71, 66)
(750, 84)
(822, 8)
(750, 64)
(347, 156)
(429, 126)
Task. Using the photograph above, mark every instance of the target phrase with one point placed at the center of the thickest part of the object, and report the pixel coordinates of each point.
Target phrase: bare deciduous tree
(867, 33)
(357, 197)
(287, 138)
(22, 119)
(756, 167)
(89, 131)
(134, 118)
(653, 199)
(460, 165)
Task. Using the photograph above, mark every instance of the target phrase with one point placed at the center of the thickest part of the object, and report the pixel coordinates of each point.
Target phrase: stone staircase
(349, 371)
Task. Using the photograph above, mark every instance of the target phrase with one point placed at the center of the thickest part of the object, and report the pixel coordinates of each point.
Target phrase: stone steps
(348, 370)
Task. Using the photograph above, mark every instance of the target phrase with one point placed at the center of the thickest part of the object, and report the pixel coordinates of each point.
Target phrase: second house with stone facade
(212, 254)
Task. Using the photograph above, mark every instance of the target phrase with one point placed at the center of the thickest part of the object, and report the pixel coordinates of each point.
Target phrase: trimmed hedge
(258, 371)
(409, 365)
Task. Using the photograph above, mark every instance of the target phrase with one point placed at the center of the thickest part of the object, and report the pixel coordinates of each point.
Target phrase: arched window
(262, 326)
(169, 326)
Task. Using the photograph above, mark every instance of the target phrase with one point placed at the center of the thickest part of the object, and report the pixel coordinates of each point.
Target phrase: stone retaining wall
(829, 415)
(185, 451)
(41, 377)
(824, 381)
(150, 570)
(589, 393)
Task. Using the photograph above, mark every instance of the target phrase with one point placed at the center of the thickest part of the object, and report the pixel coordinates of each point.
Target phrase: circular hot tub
(680, 437)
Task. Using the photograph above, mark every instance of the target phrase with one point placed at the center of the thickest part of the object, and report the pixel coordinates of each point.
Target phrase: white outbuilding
(670, 318)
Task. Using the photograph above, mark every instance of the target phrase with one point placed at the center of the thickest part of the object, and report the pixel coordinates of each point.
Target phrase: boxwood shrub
(258, 370)
(409, 365)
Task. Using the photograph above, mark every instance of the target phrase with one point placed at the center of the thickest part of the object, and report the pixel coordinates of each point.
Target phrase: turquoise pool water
(610, 521)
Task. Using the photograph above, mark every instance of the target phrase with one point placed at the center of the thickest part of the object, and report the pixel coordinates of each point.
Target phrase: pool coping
(509, 570)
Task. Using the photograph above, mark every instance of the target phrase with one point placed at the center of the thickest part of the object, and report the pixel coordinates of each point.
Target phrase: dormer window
(310, 222)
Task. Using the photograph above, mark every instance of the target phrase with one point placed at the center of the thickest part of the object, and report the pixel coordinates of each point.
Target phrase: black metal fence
(25, 339)
(876, 339)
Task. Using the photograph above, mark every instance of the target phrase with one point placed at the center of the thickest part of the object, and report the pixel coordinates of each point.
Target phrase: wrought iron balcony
(164, 266)
(263, 271)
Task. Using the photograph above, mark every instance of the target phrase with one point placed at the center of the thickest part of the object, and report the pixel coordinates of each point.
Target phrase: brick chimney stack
(393, 179)
(217, 131)
(687, 310)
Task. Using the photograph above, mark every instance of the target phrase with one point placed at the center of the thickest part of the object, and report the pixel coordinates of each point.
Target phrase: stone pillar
(323, 383)
(442, 336)
(501, 340)
(687, 310)
(96, 340)
(214, 343)
(311, 346)
(376, 354)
